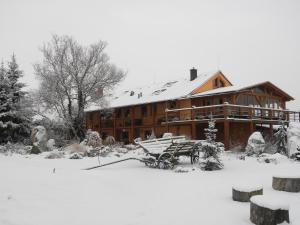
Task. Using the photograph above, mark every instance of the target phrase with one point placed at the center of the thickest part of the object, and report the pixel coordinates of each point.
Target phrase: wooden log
(265, 212)
(288, 184)
(242, 194)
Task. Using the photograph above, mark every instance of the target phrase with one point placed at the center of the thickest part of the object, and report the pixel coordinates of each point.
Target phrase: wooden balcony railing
(233, 112)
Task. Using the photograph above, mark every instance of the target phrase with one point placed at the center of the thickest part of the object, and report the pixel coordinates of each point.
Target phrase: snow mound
(272, 158)
(293, 135)
(55, 154)
(76, 156)
(269, 202)
(256, 144)
(181, 169)
(77, 148)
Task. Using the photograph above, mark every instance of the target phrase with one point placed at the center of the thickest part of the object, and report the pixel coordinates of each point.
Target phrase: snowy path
(129, 193)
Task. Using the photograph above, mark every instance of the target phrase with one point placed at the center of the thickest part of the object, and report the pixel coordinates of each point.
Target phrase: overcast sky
(250, 41)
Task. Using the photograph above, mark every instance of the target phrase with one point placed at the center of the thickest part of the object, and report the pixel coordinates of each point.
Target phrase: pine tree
(281, 138)
(211, 149)
(3, 89)
(14, 124)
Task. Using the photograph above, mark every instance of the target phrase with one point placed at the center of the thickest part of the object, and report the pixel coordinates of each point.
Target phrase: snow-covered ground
(130, 193)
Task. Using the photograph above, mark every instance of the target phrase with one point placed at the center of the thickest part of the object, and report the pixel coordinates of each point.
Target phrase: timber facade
(238, 111)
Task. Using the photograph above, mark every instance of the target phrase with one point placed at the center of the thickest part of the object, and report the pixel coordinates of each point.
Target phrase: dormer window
(218, 83)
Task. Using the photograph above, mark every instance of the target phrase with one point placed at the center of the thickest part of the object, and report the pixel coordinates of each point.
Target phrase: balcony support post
(226, 127)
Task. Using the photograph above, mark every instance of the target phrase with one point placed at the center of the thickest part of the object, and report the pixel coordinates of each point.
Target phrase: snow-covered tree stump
(243, 194)
(268, 211)
(286, 183)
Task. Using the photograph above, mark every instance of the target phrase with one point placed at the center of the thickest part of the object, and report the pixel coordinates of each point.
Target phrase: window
(222, 84)
(216, 83)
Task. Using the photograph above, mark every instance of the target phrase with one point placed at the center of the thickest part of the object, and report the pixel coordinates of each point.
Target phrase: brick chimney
(193, 74)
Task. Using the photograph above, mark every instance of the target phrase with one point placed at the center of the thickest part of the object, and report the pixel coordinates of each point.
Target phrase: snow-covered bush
(50, 144)
(293, 136)
(256, 144)
(39, 138)
(181, 169)
(211, 149)
(271, 158)
(281, 139)
(109, 140)
(93, 139)
(55, 154)
(77, 148)
(76, 156)
(167, 135)
(17, 148)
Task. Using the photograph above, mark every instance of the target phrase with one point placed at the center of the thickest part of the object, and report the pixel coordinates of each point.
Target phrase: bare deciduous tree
(71, 77)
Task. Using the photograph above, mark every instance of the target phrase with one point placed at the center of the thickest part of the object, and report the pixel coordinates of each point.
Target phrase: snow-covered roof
(155, 92)
(238, 88)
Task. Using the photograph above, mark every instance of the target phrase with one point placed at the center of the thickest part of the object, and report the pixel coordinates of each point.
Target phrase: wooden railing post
(114, 124)
(193, 127)
(166, 115)
(226, 127)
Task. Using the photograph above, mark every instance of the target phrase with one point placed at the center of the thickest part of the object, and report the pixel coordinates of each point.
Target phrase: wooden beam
(226, 128)
(226, 134)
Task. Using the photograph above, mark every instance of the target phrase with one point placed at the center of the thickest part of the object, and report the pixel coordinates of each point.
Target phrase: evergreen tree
(14, 124)
(211, 149)
(281, 138)
(3, 89)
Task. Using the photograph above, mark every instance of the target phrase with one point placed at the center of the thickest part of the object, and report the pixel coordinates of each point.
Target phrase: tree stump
(243, 194)
(264, 211)
(288, 184)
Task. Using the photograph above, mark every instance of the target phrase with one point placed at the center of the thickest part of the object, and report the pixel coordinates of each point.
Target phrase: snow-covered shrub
(181, 169)
(77, 148)
(76, 156)
(131, 147)
(35, 150)
(281, 139)
(109, 140)
(293, 136)
(39, 138)
(167, 135)
(93, 139)
(296, 155)
(55, 154)
(211, 149)
(271, 158)
(14, 148)
(50, 144)
(256, 144)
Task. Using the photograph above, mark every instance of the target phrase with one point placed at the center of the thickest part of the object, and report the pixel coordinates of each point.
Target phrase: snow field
(130, 193)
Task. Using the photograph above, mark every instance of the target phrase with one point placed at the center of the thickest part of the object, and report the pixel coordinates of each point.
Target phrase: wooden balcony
(231, 112)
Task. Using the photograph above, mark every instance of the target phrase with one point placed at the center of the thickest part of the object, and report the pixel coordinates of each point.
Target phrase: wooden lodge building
(183, 107)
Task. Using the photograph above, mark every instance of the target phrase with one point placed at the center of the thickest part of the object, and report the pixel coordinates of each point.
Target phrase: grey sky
(250, 41)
